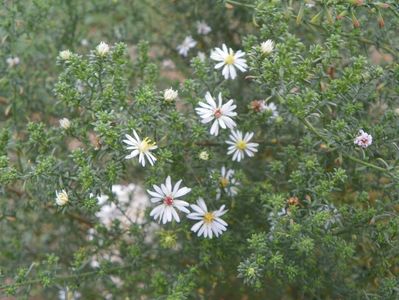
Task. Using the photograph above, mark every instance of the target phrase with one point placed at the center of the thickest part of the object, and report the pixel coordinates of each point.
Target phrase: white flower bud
(102, 49)
(267, 47)
(61, 198)
(65, 54)
(65, 123)
(170, 95)
(204, 155)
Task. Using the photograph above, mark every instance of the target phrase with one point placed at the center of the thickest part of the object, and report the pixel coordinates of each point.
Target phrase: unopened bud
(356, 2)
(355, 22)
(382, 5)
(341, 15)
(381, 22)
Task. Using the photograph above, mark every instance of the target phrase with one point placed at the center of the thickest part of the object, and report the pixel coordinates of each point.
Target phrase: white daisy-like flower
(227, 183)
(187, 44)
(168, 196)
(65, 54)
(61, 198)
(221, 114)
(267, 47)
(170, 95)
(240, 146)
(203, 28)
(65, 123)
(209, 223)
(229, 60)
(141, 148)
(271, 108)
(363, 139)
(102, 49)
(12, 61)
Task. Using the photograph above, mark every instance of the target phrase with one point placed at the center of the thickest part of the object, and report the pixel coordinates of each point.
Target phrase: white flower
(12, 61)
(65, 123)
(221, 114)
(65, 54)
(61, 198)
(187, 44)
(168, 197)
(267, 47)
(84, 42)
(227, 183)
(141, 148)
(363, 139)
(240, 146)
(229, 61)
(271, 108)
(210, 222)
(203, 28)
(102, 49)
(170, 94)
(204, 155)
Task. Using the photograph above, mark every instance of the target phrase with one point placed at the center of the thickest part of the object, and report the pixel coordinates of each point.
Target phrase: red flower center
(217, 113)
(168, 200)
(364, 140)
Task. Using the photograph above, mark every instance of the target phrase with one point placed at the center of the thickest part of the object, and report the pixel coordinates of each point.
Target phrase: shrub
(279, 117)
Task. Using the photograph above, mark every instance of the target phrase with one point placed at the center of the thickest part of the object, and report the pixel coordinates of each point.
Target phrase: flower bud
(267, 47)
(102, 49)
(61, 198)
(381, 22)
(356, 2)
(65, 123)
(65, 54)
(204, 155)
(355, 22)
(170, 95)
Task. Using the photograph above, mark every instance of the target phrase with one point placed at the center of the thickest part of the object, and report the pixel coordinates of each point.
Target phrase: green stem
(364, 163)
(240, 3)
(310, 127)
(63, 277)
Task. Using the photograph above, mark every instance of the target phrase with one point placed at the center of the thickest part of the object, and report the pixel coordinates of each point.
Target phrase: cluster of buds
(257, 105)
(293, 201)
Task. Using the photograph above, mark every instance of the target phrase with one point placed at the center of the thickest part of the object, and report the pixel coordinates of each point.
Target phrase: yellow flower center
(224, 182)
(146, 144)
(229, 59)
(241, 145)
(208, 217)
